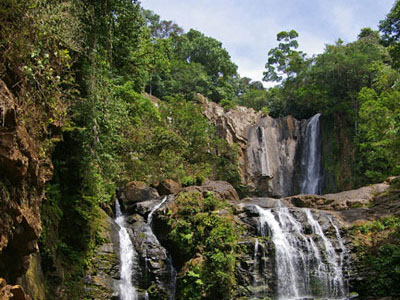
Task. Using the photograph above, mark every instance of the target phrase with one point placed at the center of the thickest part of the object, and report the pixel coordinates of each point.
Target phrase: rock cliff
(269, 148)
(23, 174)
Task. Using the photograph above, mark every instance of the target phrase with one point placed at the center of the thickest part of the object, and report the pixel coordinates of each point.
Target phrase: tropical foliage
(79, 70)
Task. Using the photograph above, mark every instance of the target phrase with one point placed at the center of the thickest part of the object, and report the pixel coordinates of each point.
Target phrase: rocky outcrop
(12, 292)
(168, 187)
(102, 277)
(268, 147)
(23, 174)
(271, 156)
(33, 280)
(155, 263)
(231, 125)
(222, 190)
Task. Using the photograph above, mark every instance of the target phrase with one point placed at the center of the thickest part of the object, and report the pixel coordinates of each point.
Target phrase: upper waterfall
(311, 158)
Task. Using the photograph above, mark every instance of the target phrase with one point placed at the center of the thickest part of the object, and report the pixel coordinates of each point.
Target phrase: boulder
(361, 197)
(222, 190)
(137, 191)
(141, 208)
(102, 276)
(168, 186)
(145, 207)
(352, 199)
(313, 201)
(12, 292)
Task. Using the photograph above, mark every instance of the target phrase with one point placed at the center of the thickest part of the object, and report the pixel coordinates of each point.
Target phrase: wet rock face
(23, 175)
(155, 264)
(268, 147)
(271, 156)
(258, 269)
(154, 274)
(102, 277)
(33, 280)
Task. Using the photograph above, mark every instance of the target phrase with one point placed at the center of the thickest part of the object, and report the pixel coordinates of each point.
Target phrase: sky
(248, 28)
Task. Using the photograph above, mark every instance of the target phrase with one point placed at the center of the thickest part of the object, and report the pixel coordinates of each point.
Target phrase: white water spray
(127, 256)
(306, 265)
(154, 209)
(311, 158)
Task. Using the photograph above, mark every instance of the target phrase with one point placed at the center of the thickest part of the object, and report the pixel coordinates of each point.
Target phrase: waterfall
(127, 256)
(154, 209)
(259, 267)
(340, 241)
(306, 263)
(334, 278)
(171, 270)
(311, 158)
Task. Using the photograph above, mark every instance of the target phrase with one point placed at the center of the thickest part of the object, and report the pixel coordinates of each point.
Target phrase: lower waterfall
(306, 262)
(127, 256)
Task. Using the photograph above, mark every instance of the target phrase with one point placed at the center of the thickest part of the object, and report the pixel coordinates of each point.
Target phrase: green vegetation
(206, 238)
(379, 249)
(79, 70)
(354, 86)
(385, 223)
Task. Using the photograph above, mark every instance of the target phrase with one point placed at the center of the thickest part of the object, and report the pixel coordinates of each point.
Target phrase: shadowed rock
(23, 174)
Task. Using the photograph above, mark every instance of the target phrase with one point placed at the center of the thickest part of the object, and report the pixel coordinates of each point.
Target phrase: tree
(160, 29)
(255, 98)
(379, 133)
(131, 45)
(283, 61)
(367, 32)
(195, 47)
(390, 27)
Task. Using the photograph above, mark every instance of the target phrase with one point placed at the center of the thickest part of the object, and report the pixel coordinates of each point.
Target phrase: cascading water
(259, 281)
(311, 158)
(306, 263)
(127, 256)
(154, 209)
(169, 266)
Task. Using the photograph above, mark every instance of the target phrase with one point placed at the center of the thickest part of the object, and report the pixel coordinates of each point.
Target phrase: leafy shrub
(208, 242)
(385, 223)
(381, 257)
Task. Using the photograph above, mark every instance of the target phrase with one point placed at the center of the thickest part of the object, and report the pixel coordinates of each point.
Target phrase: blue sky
(248, 28)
